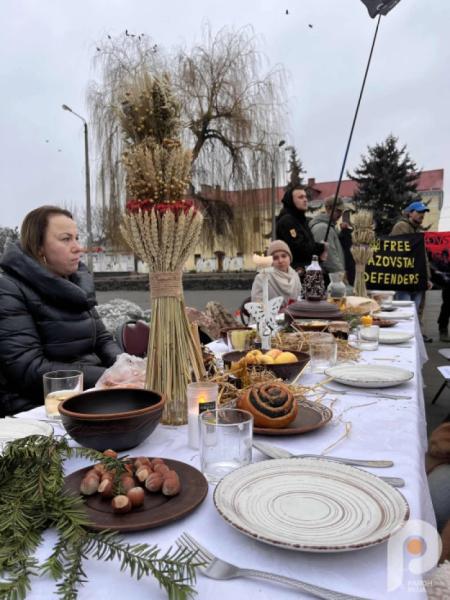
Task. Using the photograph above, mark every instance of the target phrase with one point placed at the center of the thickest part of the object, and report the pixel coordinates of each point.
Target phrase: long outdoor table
(379, 429)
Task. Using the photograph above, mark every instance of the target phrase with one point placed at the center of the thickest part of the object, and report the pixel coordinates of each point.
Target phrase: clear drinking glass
(225, 441)
(323, 351)
(240, 338)
(368, 337)
(59, 385)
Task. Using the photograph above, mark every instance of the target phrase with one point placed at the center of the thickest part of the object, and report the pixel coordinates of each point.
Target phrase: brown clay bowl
(117, 418)
(284, 371)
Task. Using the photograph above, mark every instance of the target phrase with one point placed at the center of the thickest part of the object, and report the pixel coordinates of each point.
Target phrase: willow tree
(232, 109)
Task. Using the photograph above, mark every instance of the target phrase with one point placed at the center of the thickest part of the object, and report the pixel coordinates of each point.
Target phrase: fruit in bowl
(285, 358)
(284, 364)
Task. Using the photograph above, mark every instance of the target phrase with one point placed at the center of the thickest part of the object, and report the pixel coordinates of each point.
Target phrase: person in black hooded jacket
(293, 228)
(48, 320)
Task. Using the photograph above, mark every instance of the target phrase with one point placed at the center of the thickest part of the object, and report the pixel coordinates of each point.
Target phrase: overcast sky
(46, 50)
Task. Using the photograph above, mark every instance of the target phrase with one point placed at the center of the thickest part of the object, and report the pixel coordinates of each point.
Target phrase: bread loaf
(271, 404)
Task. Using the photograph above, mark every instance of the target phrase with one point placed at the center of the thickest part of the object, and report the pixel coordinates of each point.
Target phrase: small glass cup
(368, 337)
(59, 385)
(240, 339)
(323, 351)
(225, 441)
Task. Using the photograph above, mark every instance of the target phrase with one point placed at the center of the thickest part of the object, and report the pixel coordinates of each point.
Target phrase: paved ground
(233, 298)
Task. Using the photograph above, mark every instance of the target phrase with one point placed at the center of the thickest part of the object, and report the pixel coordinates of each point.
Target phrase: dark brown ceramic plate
(384, 322)
(310, 416)
(157, 509)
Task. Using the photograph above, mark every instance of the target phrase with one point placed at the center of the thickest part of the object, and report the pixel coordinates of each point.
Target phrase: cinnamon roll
(271, 404)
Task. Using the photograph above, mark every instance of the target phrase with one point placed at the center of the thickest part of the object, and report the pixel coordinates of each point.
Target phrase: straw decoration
(162, 228)
(363, 237)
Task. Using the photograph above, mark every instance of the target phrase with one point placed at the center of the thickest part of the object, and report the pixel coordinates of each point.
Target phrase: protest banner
(398, 263)
(437, 245)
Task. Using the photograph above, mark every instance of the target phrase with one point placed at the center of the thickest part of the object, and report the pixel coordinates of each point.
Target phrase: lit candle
(201, 396)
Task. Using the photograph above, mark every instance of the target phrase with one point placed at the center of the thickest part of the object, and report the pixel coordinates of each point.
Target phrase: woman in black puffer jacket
(48, 320)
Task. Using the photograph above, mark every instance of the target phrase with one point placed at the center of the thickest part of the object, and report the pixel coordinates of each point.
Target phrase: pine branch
(32, 498)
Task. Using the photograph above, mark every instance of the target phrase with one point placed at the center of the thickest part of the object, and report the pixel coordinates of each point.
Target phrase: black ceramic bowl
(116, 418)
(284, 371)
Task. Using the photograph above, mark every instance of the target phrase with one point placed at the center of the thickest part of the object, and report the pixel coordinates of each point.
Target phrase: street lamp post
(273, 203)
(88, 184)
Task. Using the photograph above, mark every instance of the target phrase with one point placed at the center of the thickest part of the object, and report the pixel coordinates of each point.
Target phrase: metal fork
(216, 568)
(276, 452)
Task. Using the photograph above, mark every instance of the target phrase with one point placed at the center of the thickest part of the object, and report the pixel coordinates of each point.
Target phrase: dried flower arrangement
(363, 237)
(162, 228)
(299, 342)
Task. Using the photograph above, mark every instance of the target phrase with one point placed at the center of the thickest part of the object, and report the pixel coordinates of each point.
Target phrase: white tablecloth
(380, 428)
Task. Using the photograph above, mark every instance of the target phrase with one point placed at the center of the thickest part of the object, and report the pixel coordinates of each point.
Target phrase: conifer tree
(295, 168)
(387, 180)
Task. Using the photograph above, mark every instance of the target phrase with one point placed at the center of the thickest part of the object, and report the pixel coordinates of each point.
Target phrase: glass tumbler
(59, 385)
(323, 351)
(225, 441)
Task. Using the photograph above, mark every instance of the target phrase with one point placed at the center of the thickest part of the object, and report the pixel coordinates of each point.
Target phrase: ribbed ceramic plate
(310, 504)
(395, 337)
(398, 316)
(13, 429)
(369, 376)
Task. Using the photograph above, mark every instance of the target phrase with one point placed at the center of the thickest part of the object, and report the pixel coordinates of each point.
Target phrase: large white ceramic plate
(13, 429)
(369, 376)
(310, 504)
(403, 302)
(396, 315)
(395, 337)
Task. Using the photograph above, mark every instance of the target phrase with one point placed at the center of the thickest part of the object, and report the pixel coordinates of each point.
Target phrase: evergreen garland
(32, 498)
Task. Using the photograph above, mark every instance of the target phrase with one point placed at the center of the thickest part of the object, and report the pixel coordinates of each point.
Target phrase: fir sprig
(32, 498)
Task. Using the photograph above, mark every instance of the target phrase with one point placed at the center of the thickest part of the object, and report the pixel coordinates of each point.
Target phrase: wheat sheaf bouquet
(162, 228)
(363, 237)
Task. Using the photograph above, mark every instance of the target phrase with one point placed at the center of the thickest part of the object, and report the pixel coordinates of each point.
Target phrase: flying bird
(310, 26)
(98, 49)
(287, 12)
(109, 37)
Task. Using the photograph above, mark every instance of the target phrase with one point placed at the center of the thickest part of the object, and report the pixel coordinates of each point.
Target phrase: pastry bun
(271, 404)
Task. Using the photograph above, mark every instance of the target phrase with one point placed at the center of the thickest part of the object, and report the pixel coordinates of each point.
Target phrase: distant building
(430, 187)
(251, 229)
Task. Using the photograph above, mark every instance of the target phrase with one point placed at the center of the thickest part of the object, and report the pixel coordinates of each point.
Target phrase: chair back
(133, 338)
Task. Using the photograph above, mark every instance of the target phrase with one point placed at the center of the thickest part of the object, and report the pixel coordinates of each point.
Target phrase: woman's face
(281, 260)
(61, 249)
(300, 199)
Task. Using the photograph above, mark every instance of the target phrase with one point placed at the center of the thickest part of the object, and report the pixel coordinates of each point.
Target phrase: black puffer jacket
(47, 323)
(293, 228)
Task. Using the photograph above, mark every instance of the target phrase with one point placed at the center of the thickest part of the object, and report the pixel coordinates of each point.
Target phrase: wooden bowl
(117, 418)
(284, 371)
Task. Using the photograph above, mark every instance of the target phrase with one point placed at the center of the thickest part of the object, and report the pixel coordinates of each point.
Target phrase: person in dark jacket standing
(293, 228)
(48, 320)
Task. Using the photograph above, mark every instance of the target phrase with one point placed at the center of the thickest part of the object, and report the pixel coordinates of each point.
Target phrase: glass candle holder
(201, 396)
